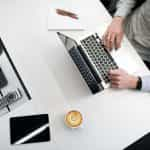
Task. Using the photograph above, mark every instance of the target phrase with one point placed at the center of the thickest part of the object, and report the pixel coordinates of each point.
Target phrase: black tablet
(29, 129)
(142, 144)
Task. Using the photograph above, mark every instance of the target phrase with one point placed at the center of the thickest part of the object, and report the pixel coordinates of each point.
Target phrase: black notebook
(142, 144)
(29, 129)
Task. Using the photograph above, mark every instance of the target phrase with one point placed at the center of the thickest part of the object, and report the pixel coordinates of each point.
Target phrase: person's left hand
(121, 79)
(113, 36)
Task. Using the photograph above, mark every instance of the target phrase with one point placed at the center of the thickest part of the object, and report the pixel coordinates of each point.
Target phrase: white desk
(112, 119)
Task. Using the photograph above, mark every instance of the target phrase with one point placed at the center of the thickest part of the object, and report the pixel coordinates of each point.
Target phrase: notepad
(61, 22)
(141, 144)
(29, 129)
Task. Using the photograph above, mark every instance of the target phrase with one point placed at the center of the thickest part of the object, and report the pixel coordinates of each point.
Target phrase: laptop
(91, 58)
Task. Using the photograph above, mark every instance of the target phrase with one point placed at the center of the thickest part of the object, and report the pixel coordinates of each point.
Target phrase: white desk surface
(112, 119)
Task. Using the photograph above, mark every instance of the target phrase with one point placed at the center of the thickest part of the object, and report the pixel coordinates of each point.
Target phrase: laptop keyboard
(100, 57)
(85, 71)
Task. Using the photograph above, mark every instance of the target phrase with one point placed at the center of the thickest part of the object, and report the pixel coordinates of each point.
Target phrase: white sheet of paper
(58, 22)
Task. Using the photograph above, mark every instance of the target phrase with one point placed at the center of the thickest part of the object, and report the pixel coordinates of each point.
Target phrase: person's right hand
(114, 34)
(119, 78)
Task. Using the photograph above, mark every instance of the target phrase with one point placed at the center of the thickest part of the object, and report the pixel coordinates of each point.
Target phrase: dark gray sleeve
(124, 7)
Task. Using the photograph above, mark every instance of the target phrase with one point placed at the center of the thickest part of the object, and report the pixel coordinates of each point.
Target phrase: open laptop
(92, 59)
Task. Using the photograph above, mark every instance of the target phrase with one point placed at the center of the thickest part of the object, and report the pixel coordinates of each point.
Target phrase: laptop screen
(68, 42)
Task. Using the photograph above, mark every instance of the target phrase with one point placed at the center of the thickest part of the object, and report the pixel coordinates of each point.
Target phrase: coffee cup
(73, 119)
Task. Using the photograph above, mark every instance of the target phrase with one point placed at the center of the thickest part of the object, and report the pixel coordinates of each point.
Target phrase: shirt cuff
(121, 13)
(145, 83)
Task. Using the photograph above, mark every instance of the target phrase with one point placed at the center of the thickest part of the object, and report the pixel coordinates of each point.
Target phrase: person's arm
(124, 8)
(145, 83)
(114, 33)
(122, 80)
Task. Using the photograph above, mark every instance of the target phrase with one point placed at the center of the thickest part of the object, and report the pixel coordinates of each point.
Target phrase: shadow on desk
(69, 79)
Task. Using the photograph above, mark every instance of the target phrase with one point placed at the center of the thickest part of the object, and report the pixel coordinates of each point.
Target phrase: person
(110, 5)
(136, 24)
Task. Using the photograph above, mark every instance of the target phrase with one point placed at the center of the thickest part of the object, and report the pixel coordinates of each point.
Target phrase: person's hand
(114, 34)
(121, 79)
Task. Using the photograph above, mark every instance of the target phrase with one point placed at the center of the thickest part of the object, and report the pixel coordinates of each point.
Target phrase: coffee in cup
(73, 119)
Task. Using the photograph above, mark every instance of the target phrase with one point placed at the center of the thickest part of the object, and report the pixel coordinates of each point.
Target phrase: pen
(66, 13)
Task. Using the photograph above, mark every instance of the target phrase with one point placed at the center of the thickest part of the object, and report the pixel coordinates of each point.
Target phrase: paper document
(63, 15)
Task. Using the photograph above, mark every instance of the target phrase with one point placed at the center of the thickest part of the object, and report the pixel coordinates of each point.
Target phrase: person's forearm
(124, 8)
(133, 80)
(146, 83)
